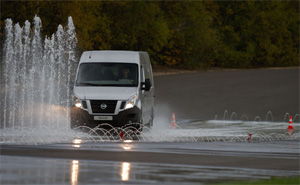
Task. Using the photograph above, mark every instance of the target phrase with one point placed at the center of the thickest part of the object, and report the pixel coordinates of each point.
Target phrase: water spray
(37, 75)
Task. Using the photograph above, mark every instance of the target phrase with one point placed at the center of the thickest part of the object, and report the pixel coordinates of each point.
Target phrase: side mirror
(147, 85)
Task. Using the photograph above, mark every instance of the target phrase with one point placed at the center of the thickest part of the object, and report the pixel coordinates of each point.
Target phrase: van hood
(104, 93)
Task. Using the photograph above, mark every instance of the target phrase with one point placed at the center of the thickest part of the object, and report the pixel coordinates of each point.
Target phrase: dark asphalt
(252, 93)
(261, 160)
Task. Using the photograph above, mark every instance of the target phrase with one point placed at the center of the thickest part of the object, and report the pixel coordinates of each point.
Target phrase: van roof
(110, 56)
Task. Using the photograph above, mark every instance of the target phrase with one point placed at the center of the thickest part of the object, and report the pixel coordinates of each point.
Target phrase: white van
(113, 87)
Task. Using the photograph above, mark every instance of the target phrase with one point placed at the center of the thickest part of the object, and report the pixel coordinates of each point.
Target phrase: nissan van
(115, 88)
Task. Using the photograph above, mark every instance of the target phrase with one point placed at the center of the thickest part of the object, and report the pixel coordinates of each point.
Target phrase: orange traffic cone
(290, 127)
(173, 122)
(121, 135)
(249, 138)
(291, 123)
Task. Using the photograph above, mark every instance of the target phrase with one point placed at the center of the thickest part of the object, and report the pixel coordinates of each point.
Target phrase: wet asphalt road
(147, 163)
(199, 96)
(252, 93)
(275, 160)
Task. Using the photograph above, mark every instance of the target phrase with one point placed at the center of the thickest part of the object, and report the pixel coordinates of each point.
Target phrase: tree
(184, 34)
(192, 40)
(137, 26)
(258, 34)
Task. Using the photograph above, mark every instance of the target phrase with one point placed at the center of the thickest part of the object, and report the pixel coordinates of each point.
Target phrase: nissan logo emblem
(103, 106)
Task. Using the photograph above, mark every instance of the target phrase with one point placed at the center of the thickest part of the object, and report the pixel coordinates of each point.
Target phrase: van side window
(142, 74)
(147, 66)
(147, 73)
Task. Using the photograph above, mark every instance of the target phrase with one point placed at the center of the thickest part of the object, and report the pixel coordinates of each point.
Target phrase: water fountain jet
(36, 75)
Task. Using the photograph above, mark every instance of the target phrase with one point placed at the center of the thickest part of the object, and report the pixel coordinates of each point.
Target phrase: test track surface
(199, 96)
(240, 159)
(252, 93)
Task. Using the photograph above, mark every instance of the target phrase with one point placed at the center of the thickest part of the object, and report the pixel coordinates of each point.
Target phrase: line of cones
(290, 127)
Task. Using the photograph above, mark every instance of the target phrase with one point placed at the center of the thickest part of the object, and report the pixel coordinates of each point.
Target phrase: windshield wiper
(88, 84)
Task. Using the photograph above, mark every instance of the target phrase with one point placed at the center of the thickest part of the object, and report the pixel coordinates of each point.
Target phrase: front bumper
(80, 117)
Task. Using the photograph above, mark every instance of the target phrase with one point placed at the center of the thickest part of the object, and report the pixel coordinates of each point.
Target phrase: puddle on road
(27, 170)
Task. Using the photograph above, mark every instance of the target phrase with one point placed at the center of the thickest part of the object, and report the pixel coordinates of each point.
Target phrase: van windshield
(107, 74)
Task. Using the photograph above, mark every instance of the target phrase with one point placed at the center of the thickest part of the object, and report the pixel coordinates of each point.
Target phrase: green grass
(272, 181)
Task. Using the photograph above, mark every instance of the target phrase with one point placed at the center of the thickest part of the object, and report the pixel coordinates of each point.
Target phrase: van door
(147, 97)
(151, 95)
(143, 96)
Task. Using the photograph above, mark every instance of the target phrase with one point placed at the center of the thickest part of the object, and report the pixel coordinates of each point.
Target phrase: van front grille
(103, 106)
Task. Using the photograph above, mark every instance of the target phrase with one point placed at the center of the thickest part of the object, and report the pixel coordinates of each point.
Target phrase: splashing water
(44, 135)
(36, 75)
(185, 131)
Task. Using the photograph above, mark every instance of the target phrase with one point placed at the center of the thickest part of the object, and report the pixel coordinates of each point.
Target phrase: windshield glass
(107, 74)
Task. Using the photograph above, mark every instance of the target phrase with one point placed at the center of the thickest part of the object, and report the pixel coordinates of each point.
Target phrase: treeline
(184, 34)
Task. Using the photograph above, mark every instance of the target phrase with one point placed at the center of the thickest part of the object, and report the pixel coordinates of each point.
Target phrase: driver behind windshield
(126, 75)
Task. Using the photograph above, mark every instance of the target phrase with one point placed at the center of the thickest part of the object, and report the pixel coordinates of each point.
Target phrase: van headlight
(77, 102)
(131, 102)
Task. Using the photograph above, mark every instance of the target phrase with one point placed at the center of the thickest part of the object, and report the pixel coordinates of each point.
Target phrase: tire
(150, 124)
(74, 123)
(76, 119)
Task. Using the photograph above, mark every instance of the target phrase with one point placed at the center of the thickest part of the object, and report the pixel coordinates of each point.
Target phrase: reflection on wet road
(74, 172)
(28, 170)
(125, 171)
